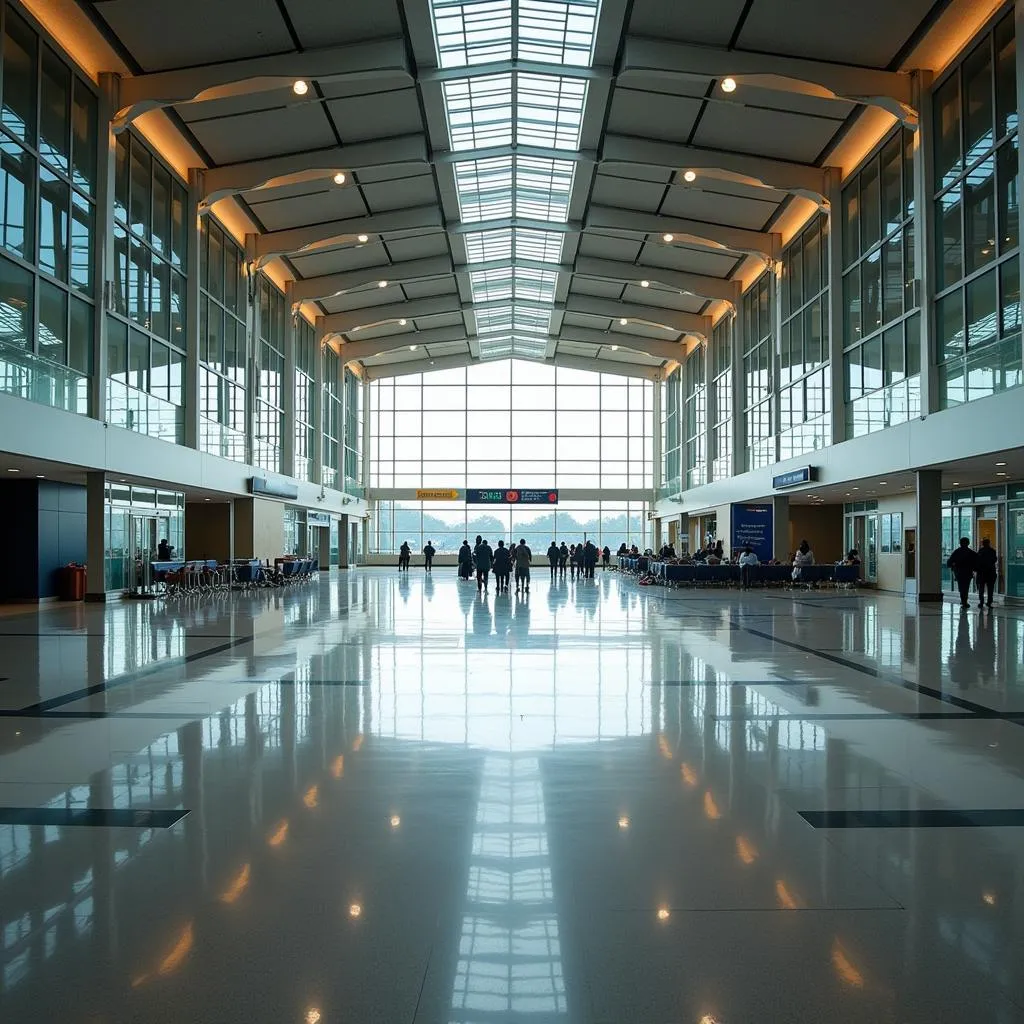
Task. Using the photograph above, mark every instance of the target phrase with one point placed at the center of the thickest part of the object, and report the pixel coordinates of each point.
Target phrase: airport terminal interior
(701, 322)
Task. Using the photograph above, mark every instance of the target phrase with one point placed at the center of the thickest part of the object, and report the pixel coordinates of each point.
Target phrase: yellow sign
(437, 495)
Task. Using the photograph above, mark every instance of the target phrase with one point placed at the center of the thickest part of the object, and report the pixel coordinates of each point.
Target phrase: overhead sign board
(794, 477)
(511, 496)
(437, 495)
(272, 488)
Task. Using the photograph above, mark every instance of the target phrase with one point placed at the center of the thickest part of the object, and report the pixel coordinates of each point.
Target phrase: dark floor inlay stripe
(96, 817)
(100, 713)
(733, 682)
(926, 818)
(858, 716)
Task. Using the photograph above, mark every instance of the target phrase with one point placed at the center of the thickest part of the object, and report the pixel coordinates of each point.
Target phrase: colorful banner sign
(436, 495)
(511, 496)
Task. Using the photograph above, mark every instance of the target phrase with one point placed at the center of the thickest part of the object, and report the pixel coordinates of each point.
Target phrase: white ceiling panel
(378, 115)
(432, 286)
(327, 24)
(401, 194)
(627, 193)
(692, 261)
(692, 22)
(334, 261)
(718, 208)
(433, 243)
(653, 115)
(311, 208)
(596, 286)
(664, 298)
(764, 132)
(268, 132)
(609, 247)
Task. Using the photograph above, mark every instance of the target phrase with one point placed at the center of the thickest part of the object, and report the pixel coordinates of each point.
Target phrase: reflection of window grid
(756, 318)
(472, 31)
(556, 31)
(479, 111)
(549, 110)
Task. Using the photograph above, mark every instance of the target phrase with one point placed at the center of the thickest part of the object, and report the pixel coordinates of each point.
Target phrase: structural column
(343, 542)
(775, 300)
(710, 416)
(288, 384)
(736, 430)
(656, 449)
(365, 467)
(252, 338)
(780, 527)
(193, 297)
(320, 411)
(104, 262)
(924, 256)
(1019, 42)
(96, 536)
(929, 535)
(836, 339)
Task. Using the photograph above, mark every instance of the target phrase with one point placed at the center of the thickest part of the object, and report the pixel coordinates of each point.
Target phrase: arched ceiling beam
(313, 288)
(351, 350)
(628, 273)
(623, 342)
(890, 90)
(382, 58)
(671, 319)
(374, 316)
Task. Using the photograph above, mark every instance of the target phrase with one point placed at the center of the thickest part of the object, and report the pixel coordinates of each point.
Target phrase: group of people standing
(502, 560)
(581, 559)
(981, 567)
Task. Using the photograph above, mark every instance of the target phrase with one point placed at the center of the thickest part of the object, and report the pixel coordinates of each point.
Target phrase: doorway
(861, 532)
(142, 541)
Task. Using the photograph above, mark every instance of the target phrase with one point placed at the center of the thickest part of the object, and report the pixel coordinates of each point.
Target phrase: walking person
(484, 560)
(428, 557)
(465, 561)
(589, 559)
(404, 555)
(606, 558)
(988, 569)
(963, 562)
(748, 561)
(563, 557)
(502, 565)
(523, 558)
(553, 558)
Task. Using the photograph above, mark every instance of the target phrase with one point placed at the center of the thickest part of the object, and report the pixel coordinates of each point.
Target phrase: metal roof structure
(580, 181)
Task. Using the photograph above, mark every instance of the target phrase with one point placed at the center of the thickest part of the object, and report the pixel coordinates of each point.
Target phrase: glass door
(869, 557)
(142, 543)
(1013, 554)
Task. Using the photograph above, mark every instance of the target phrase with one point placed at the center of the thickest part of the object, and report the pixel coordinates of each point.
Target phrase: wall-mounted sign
(435, 495)
(318, 519)
(511, 496)
(753, 525)
(794, 477)
(272, 488)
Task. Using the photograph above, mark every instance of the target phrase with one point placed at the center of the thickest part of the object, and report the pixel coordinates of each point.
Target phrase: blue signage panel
(752, 524)
(511, 496)
(272, 488)
(794, 477)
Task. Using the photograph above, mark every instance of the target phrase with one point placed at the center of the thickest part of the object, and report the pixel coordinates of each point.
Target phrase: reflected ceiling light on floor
(311, 798)
(844, 967)
(238, 885)
(395, 821)
(882, 483)
(312, 1015)
(279, 835)
(647, 284)
(663, 913)
(362, 238)
(785, 897)
(623, 822)
(40, 476)
(668, 237)
(689, 775)
(1000, 474)
(745, 850)
(355, 910)
(689, 175)
(338, 766)
(728, 85)
(989, 898)
(300, 88)
(14, 471)
(1000, 464)
(711, 810)
(339, 178)
(956, 483)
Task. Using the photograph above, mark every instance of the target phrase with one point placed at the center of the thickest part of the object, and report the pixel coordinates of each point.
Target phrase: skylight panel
(538, 245)
(472, 31)
(479, 111)
(549, 111)
(557, 31)
(491, 285)
(543, 188)
(537, 285)
(484, 188)
(483, 246)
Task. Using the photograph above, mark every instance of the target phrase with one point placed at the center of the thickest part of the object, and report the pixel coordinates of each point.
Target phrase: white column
(365, 478)
(775, 306)
(193, 297)
(252, 339)
(834, 313)
(318, 390)
(288, 384)
(709, 415)
(104, 260)
(924, 255)
(736, 427)
(656, 447)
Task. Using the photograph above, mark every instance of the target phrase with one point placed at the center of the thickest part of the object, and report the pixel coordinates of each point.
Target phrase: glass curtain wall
(223, 345)
(331, 420)
(758, 351)
(720, 369)
(447, 524)
(805, 398)
(305, 401)
(511, 423)
(146, 328)
(881, 318)
(671, 433)
(47, 222)
(353, 469)
(269, 408)
(695, 417)
(977, 306)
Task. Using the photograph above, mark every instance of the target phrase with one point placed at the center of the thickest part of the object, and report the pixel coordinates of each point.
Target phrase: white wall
(891, 567)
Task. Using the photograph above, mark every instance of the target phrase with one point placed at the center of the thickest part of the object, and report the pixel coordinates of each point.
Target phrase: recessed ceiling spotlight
(615, 348)
(339, 178)
(300, 88)
(206, 499)
(855, 488)
(362, 238)
(645, 284)
(402, 322)
(956, 483)
(882, 483)
(14, 471)
(412, 348)
(1000, 474)
(382, 284)
(689, 175)
(1000, 464)
(667, 237)
(728, 85)
(40, 476)
(623, 321)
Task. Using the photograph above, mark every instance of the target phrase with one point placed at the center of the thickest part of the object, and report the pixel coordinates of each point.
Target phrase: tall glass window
(331, 394)
(222, 344)
(671, 433)
(146, 325)
(881, 318)
(269, 379)
(47, 222)
(511, 423)
(305, 399)
(720, 369)
(977, 304)
(758, 337)
(354, 482)
(696, 417)
(805, 398)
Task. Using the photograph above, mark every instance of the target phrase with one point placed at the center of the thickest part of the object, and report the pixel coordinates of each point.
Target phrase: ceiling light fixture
(667, 237)
(956, 483)
(615, 348)
(1000, 464)
(14, 471)
(412, 348)
(402, 322)
(728, 85)
(689, 175)
(339, 178)
(382, 284)
(1000, 474)
(645, 284)
(300, 88)
(40, 476)
(362, 238)
(882, 483)
(623, 321)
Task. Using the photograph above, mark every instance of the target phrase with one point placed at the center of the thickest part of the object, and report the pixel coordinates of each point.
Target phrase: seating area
(182, 578)
(696, 575)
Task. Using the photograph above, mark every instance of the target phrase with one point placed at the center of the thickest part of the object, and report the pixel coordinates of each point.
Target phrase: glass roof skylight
(500, 110)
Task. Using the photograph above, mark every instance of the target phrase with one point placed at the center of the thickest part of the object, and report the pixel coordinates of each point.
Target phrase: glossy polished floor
(382, 799)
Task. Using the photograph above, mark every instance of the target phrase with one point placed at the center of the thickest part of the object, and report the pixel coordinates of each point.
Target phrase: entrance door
(142, 543)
